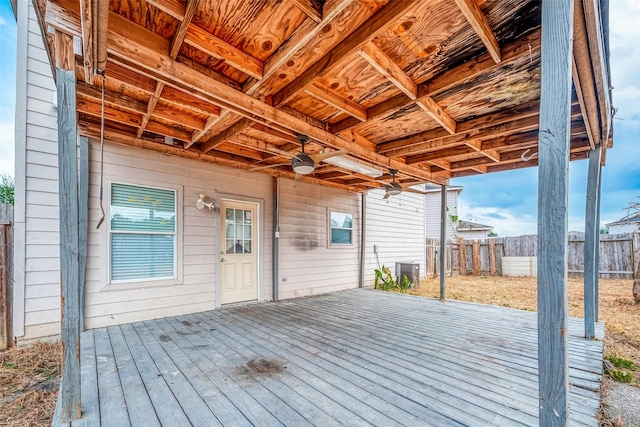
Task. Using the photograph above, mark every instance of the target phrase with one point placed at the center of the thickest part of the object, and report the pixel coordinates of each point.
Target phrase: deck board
(358, 357)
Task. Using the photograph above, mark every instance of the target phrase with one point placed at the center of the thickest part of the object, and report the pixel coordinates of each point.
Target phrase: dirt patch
(617, 308)
(264, 367)
(29, 382)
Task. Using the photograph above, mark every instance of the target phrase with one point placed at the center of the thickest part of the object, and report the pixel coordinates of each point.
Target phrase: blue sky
(506, 200)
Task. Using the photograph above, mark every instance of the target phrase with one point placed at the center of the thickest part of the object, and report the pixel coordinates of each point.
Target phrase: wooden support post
(477, 269)
(492, 257)
(596, 273)
(69, 256)
(462, 249)
(553, 173)
(591, 232)
(443, 238)
(83, 223)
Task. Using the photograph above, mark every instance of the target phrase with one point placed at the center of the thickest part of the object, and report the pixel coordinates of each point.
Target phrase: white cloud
(505, 221)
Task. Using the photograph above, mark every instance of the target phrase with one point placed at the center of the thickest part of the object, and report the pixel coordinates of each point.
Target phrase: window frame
(330, 228)
(124, 284)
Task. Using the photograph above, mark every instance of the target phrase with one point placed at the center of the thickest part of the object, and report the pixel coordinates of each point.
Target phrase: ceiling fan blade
(321, 156)
(269, 166)
(281, 152)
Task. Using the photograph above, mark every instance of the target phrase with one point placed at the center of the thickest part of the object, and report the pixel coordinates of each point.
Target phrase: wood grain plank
(345, 105)
(135, 392)
(553, 160)
(218, 48)
(388, 68)
(478, 22)
(166, 406)
(181, 32)
(89, 386)
(83, 224)
(235, 129)
(69, 232)
(310, 8)
(436, 112)
(113, 407)
(86, 23)
(373, 27)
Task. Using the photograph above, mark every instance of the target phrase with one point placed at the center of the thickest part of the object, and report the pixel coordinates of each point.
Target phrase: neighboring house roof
(628, 219)
(432, 188)
(473, 226)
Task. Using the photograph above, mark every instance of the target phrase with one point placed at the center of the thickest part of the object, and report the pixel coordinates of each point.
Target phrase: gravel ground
(621, 400)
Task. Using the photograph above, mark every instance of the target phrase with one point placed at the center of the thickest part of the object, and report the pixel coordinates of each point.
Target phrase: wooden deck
(357, 357)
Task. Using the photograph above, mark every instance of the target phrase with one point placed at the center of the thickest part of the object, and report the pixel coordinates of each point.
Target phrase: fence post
(492, 257)
(6, 224)
(477, 266)
(462, 248)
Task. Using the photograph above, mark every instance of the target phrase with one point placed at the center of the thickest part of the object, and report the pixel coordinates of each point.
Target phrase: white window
(142, 233)
(340, 229)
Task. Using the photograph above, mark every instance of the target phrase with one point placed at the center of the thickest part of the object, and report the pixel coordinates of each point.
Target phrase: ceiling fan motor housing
(303, 164)
(393, 189)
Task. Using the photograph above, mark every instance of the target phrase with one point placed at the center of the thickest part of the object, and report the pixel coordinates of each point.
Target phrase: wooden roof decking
(436, 89)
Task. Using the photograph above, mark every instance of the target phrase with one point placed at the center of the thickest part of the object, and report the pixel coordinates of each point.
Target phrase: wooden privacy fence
(6, 245)
(619, 254)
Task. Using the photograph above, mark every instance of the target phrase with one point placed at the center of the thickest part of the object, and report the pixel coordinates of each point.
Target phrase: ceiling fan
(394, 188)
(302, 163)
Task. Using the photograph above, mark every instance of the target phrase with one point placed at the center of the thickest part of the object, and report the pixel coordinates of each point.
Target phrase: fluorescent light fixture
(353, 165)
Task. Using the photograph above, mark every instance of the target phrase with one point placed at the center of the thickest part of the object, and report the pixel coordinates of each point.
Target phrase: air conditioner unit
(410, 269)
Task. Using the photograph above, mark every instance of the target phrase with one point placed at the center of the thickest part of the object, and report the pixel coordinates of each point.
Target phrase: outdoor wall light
(202, 203)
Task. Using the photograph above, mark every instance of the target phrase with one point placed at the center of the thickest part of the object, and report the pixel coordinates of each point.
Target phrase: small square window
(340, 229)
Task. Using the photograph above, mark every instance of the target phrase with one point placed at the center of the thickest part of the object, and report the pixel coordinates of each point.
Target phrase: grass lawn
(617, 308)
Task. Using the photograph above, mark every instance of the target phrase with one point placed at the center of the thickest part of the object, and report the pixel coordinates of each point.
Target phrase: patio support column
(553, 173)
(69, 225)
(591, 230)
(443, 237)
(363, 234)
(275, 255)
(596, 273)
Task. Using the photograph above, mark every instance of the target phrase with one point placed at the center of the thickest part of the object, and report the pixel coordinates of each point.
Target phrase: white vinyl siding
(432, 212)
(307, 265)
(36, 264)
(396, 227)
(198, 234)
(143, 233)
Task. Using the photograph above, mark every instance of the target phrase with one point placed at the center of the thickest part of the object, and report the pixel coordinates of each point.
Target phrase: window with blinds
(142, 233)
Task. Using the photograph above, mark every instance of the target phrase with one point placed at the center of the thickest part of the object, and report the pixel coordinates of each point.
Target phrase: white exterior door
(239, 258)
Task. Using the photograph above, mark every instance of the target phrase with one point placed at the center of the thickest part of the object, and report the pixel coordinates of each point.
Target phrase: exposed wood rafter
(479, 23)
(340, 103)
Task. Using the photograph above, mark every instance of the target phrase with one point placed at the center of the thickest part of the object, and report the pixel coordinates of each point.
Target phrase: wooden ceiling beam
(235, 129)
(94, 109)
(150, 107)
(218, 48)
(583, 77)
(476, 144)
(86, 24)
(166, 130)
(527, 46)
(310, 8)
(489, 126)
(110, 97)
(181, 32)
(171, 7)
(308, 31)
(431, 107)
(396, 75)
(441, 154)
(302, 35)
(389, 69)
(169, 113)
(479, 23)
(377, 25)
(240, 150)
(345, 105)
(285, 136)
